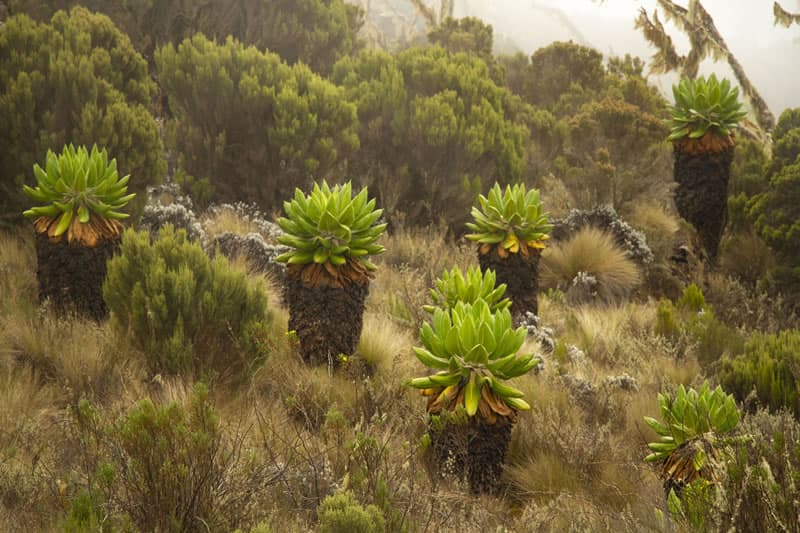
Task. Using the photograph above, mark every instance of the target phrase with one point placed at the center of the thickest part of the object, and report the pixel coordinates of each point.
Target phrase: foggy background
(769, 54)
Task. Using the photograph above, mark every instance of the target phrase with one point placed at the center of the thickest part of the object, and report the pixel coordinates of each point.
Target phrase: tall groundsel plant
(472, 352)
(702, 122)
(332, 233)
(510, 228)
(78, 226)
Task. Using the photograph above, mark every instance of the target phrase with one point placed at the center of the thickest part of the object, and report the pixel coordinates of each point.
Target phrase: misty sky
(770, 55)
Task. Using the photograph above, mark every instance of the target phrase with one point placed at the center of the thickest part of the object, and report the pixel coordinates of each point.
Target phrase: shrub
(554, 69)
(760, 491)
(316, 32)
(434, 126)
(185, 311)
(76, 79)
(775, 211)
(593, 253)
(342, 512)
(770, 365)
(273, 125)
(615, 154)
(165, 466)
(691, 324)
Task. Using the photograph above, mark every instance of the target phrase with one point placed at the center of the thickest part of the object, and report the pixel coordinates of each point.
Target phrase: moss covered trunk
(328, 320)
(471, 450)
(702, 193)
(521, 276)
(71, 276)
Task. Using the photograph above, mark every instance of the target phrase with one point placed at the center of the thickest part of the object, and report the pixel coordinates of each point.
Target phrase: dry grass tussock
(589, 267)
(659, 226)
(227, 219)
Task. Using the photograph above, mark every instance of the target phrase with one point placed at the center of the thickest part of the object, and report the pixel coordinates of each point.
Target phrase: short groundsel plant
(332, 233)
(510, 221)
(705, 114)
(82, 195)
(473, 352)
(691, 431)
(454, 286)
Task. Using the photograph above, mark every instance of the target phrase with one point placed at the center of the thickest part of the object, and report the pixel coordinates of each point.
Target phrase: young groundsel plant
(689, 415)
(453, 287)
(705, 106)
(510, 219)
(473, 352)
(83, 195)
(333, 229)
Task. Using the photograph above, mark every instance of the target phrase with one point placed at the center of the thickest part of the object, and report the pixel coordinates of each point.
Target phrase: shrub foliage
(250, 125)
(316, 32)
(76, 79)
(433, 125)
(185, 311)
(768, 365)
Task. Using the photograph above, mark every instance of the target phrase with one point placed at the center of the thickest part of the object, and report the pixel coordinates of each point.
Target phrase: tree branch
(783, 17)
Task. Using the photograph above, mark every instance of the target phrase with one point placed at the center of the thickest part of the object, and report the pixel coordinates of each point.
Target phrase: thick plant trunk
(702, 193)
(473, 450)
(71, 276)
(521, 276)
(328, 320)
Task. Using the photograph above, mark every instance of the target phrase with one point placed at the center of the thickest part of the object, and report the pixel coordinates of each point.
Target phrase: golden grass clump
(227, 219)
(609, 275)
(746, 257)
(659, 226)
(382, 342)
(83, 357)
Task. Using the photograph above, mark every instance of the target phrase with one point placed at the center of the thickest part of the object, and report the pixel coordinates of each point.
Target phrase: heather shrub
(769, 365)
(76, 79)
(690, 323)
(272, 128)
(316, 32)
(435, 130)
(162, 466)
(342, 512)
(186, 312)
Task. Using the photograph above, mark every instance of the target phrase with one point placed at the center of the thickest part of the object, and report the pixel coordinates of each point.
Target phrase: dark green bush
(555, 69)
(770, 364)
(77, 79)
(186, 312)
(249, 124)
(342, 513)
(776, 211)
(691, 324)
(316, 32)
(435, 130)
